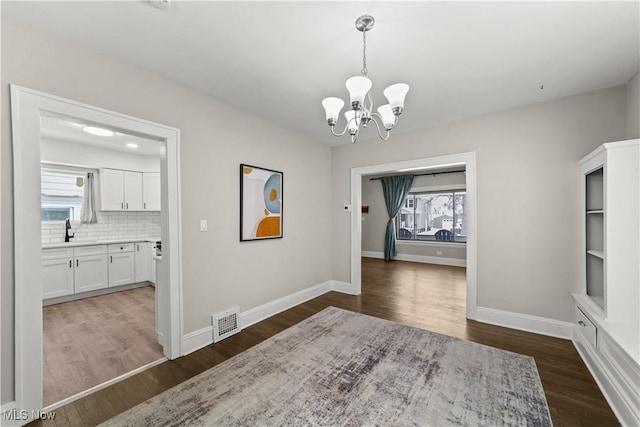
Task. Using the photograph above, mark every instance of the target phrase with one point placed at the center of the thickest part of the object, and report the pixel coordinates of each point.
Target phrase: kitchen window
(61, 194)
(433, 216)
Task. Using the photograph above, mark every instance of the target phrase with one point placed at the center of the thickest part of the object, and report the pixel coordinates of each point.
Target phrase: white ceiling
(70, 130)
(277, 60)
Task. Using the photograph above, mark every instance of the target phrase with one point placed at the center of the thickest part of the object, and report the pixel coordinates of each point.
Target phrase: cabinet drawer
(586, 328)
(57, 253)
(89, 250)
(121, 247)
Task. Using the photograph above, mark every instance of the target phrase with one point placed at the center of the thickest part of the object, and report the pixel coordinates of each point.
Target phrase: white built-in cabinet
(121, 264)
(122, 190)
(607, 329)
(74, 270)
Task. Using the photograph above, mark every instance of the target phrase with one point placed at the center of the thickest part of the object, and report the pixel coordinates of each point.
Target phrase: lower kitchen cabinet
(57, 277)
(121, 265)
(90, 272)
(143, 261)
(74, 270)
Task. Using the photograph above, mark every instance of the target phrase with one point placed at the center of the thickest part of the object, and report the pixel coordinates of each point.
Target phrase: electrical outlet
(203, 225)
(347, 208)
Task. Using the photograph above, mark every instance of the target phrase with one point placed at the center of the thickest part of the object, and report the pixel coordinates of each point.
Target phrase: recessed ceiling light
(93, 130)
(132, 145)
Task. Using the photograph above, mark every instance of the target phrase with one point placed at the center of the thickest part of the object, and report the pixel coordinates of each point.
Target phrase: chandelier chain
(364, 70)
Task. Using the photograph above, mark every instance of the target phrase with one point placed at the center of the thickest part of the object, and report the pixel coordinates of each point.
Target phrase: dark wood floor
(421, 295)
(93, 340)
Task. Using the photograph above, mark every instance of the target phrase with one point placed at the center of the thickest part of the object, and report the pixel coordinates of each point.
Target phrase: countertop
(73, 244)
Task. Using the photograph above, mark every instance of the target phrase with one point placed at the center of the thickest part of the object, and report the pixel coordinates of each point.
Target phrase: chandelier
(361, 113)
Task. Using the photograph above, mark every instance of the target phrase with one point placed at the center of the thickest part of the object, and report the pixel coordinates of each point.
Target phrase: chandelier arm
(384, 138)
(341, 133)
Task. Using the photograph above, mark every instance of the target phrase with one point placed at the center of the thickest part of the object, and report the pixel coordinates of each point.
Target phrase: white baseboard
(203, 337)
(455, 262)
(525, 322)
(344, 287)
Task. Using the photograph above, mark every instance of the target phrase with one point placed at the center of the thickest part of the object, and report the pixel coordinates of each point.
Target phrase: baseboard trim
(455, 262)
(203, 337)
(619, 400)
(344, 287)
(525, 322)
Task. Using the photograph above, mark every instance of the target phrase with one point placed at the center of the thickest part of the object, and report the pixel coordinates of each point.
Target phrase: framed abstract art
(260, 203)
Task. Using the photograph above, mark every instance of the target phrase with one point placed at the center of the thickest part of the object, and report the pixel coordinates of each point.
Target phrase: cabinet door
(121, 269)
(57, 277)
(90, 272)
(132, 191)
(151, 191)
(112, 190)
(142, 261)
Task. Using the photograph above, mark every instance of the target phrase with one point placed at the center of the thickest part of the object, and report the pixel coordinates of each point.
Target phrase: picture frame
(260, 203)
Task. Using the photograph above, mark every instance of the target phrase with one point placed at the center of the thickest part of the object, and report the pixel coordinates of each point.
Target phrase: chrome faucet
(68, 236)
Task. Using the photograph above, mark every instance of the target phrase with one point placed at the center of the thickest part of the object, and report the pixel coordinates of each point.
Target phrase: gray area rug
(339, 368)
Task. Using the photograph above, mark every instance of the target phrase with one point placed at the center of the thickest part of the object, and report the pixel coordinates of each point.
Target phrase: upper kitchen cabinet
(151, 191)
(129, 190)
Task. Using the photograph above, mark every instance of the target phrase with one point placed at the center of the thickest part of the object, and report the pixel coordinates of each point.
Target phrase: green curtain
(395, 190)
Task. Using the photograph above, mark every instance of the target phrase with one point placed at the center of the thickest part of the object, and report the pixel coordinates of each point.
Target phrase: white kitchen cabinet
(90, 272)
(120, 190)
(121, 264)
(142, 261)
(57, 272)
(151, 191)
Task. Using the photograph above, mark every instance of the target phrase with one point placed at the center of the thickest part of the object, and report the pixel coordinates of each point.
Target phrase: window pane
(434, 216)
(460, 232)
(404, 220)
(61, 196)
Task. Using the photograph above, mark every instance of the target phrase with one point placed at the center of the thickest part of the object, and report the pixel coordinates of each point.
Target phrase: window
(433, 217)
(61, 195)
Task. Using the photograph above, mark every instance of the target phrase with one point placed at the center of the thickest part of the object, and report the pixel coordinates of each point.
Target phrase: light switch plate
(203, 225)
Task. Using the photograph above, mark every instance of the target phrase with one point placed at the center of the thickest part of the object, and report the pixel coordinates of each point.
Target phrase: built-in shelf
(607, 326)
(596, 253)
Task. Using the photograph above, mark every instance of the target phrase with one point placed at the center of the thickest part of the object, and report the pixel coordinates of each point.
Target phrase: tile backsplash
(111, 225)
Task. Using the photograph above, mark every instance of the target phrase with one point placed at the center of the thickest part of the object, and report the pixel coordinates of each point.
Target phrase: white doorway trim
(469, 159)
(27, 106)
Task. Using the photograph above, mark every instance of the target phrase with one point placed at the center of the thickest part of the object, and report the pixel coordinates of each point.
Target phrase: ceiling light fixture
(93, 130)
(132, 145)
(361, 101)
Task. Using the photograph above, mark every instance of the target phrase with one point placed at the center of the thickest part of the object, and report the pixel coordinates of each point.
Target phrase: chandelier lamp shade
(359, 87)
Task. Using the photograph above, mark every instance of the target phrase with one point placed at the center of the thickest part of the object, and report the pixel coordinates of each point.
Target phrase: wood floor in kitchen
(90, 341)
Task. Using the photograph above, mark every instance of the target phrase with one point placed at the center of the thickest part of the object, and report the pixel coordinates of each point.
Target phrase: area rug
(339, 368)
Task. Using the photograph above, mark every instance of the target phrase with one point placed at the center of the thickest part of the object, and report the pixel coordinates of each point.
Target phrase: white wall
(527, 176)
(633, 108)
(375, 222)
(218, 270)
